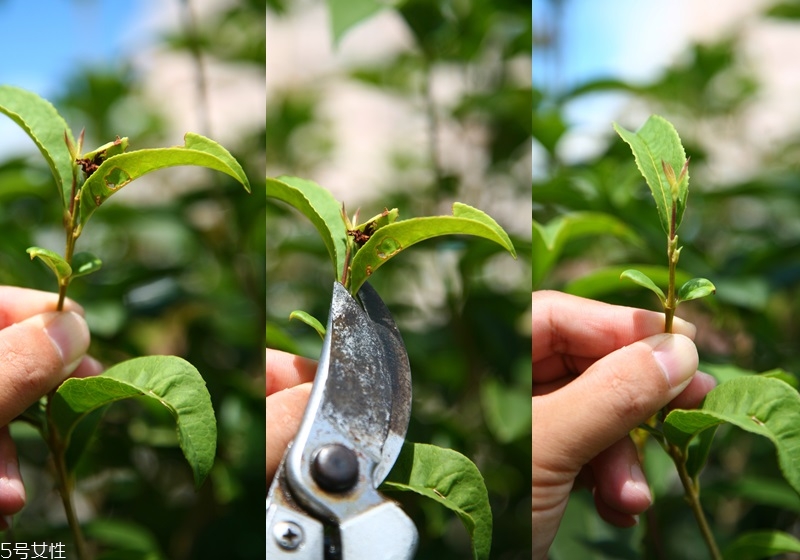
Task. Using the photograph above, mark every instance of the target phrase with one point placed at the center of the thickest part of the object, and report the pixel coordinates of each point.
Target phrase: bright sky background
(42, 40)
(627, 39)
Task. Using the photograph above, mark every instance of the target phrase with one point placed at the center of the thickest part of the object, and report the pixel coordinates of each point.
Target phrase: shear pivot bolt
(288, 535)
(335, 468)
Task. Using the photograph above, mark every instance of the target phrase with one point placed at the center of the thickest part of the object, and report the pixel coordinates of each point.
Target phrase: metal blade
(396, 359)
(361, 400)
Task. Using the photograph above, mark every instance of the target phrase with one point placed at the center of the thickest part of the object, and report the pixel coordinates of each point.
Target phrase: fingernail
(12, 480)
(69, 333)
(638, 484)
(676, 355)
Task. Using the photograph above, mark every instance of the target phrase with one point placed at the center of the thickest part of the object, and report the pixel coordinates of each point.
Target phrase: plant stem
(672, 257)
(692, 494)
(62, 295)
(62, 286)
(70, 223)
(690, 487)
(54, 441)
(56, 446)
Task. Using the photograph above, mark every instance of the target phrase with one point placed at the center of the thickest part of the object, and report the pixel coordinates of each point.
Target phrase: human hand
(599, 371)
(289, 380)
(39, 348)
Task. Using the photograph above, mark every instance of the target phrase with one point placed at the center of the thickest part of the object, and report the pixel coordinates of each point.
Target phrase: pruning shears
(324, 502)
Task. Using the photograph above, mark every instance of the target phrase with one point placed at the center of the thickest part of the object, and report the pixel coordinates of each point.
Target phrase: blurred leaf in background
(415, 107)
(183, 274)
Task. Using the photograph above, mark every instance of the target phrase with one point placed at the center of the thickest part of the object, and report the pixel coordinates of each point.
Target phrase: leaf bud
(673, 182)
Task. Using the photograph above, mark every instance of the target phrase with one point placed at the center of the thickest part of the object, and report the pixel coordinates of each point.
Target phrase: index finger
(286, 370)
(567, 325)
(17, 304)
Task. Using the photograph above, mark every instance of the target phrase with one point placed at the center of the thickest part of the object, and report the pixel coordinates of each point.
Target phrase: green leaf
(40, 120)
(83, 434)
(549, 239)
(698, 452)
(785, 10)
(783, 375)
(119, 170)
(309, 320)
(761, 405)
(172, 381)
(657, 141)
(347, 13)
(761, 544)
(724, 372)
(605, 281)
(696, 288)
(583, 535)
(643, 280)
(54, 261)
(123, 539)
(506, 409)
(766, 490)
(450, 479)
(700, 446)
(389, 240)
(319, 206)
(85, 263)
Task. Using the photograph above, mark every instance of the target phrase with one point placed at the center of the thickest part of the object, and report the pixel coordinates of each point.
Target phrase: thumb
(615, 395)
(36, 355)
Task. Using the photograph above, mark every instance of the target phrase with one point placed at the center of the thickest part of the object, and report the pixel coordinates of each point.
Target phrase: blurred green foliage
(596, 217)
(462, 305)
(182, 274)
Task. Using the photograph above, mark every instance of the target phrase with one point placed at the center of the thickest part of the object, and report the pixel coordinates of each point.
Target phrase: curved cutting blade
(396, 360)
(361, 399)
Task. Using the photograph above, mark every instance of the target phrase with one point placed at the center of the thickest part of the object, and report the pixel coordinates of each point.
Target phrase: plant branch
(692, 495)
(70, 225)
(672, 256)
(690, 487)
(57, 449)
(54, 441)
